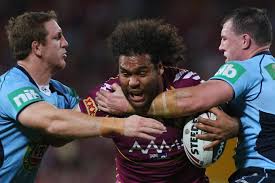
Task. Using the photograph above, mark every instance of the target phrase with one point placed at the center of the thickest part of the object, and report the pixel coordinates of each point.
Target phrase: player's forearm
(66, 123)
(190, 100)
(70, 124)
(175, 103)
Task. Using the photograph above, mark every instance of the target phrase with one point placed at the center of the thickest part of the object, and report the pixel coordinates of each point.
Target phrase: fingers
(208, 128)
(204, 121)
(100, 102)
(211, 135)
(116, 87)
(211, 145)
(150, 130)
(153, 124)
(102, 108)
(215, 110)
(207, 137)
(117, 90)
(151, 127)
(100, 97)
(103, 93)
(212, 129)
(146, 136)
(137, 126)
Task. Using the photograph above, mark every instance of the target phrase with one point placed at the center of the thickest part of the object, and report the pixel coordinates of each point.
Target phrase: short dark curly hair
(148, 36)
(26, 28)
(253, 21)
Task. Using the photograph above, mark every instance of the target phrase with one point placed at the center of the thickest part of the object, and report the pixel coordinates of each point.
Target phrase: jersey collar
(263, 53)
(27, 74)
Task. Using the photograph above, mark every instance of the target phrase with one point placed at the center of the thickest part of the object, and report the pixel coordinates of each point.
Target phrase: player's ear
(160, 68)
(246, 41)
(36, 48)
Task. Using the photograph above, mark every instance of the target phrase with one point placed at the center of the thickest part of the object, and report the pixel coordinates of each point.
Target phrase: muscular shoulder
(13, 78)
(16, 92)
(13, 81)
(180, 78)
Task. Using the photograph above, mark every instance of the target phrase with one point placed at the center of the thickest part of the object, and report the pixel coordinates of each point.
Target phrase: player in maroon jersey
(146, 50)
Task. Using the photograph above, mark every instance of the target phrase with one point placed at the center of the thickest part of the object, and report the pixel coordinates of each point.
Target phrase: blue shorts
(252, 175)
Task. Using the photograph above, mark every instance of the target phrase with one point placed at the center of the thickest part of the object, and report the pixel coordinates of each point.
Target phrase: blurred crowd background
(86, 25)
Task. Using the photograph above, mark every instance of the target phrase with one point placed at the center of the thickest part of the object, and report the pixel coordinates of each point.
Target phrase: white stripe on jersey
(188, 74)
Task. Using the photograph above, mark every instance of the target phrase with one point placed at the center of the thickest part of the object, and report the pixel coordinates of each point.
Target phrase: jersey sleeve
(17, 96)
(88, 105)
(73, 98)
(238, 76)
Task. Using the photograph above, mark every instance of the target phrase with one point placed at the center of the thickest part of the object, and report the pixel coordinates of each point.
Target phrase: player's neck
(39, 74)
(258, 50)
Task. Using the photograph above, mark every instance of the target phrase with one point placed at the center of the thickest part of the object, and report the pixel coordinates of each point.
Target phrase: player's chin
(140, 107)
(138, 104)
(226, 59)
(62, 64)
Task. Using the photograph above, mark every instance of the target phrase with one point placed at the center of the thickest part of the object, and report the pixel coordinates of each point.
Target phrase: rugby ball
(193, 147)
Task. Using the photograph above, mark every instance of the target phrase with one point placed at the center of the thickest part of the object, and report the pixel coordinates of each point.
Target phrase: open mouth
(136, 96)
(64, 55)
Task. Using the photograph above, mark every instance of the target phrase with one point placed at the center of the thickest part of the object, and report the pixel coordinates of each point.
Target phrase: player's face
(231, 43)
(140, 80)
(54, 50)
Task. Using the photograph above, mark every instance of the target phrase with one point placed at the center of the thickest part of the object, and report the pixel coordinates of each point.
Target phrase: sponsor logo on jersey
(270, 68)
(22, 97)
(34, 156)
(90, 105)
(230, 72)
(157, 151)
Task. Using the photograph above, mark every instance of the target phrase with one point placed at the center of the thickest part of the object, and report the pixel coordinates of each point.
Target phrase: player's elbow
(55, 132)
(54, 128)
(54, 125)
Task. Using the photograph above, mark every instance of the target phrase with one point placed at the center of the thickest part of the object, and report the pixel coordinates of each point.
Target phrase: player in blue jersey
(34, 108)
(246, 82)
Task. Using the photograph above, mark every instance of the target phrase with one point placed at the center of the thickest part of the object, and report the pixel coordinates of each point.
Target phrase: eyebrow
(139, 68)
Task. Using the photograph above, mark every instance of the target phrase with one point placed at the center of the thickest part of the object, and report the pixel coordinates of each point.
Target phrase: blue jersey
(21, 148)
(253, 82)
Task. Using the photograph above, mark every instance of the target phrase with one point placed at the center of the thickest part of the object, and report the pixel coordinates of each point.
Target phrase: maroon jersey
(159, 161)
